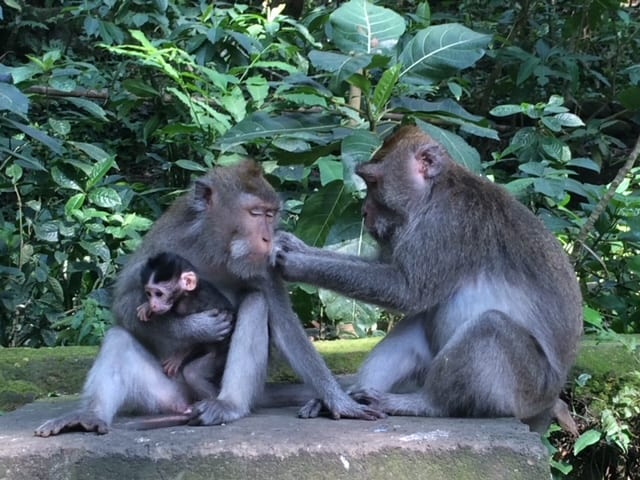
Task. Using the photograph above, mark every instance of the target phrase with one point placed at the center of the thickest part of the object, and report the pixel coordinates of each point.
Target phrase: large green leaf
(342, 65)
(13, 100)
(338, 308)
(261, 126)
(362, 27)
(438, 52)
(320, 211)
(52, 143)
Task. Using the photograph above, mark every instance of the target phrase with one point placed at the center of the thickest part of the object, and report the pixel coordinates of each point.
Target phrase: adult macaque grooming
(493, 308)
(172, 284)
(224, 225)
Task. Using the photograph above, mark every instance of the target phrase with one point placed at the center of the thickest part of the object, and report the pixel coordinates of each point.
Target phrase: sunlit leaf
(440, 51)
(105, 197)
(360, 26)
(585, 440)
(62, 180)
(47, 231)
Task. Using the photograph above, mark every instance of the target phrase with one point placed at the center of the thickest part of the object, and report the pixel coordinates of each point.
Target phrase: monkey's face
(379, 211)
(159, 297)
(252, 238)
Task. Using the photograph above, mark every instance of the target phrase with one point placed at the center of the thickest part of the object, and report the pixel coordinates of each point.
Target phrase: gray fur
(224, 226)
(494, 309)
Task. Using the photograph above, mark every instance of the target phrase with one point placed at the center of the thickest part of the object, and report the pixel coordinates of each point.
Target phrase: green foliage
(608, 411)
(149, 94)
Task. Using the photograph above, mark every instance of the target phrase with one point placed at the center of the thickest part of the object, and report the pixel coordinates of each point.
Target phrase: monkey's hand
(348, 409)
(72, 422)
(373, 398)
(171, 365)
(288, 243)
(220, 323)
(144, 313)
(214, 412)
(289, 253)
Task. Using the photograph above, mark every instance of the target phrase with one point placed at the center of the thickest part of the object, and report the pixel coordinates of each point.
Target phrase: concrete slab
(274, 444)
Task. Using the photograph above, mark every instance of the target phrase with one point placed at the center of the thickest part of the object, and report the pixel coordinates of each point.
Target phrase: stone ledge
(274, 444)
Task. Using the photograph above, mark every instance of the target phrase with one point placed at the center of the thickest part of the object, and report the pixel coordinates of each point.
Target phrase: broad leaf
(506, 110)
(90, 107)
(47, 231)
(62, 180)
(330, 170)
(52, 143)
(99, 170)
(13, 100)
(320, 211)
(24, 161)
(74, 203)
(446, 106)
(438, 52)
(586, 439)
(191, 165)
(383, 90)
(342, 65)
(362, 27)
(261, 125)
(91, 150)
(105, 197)
(342, 309)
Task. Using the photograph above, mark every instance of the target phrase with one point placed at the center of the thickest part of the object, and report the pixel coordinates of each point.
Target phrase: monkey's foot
(311, 409)
(346, 409)
(371, 397)
(73, 422)
(214, 412)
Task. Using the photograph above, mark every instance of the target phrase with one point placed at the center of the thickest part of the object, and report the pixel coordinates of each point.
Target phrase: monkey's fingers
(311, 409)
(213, 412)
(142, 313)
(358, 412)
(370, 397)
(72, 423)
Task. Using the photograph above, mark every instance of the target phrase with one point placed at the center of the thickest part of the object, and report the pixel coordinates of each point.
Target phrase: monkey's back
(505, 256)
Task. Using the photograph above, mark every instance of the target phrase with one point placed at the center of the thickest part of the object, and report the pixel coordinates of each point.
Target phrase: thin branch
(81, 92)
(586, 229)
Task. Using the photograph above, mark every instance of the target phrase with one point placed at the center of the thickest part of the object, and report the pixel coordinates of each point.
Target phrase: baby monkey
(172, 284)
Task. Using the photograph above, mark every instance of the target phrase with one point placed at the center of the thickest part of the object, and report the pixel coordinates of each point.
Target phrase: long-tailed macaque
(172, 284)
(225, 226)
(493, 309)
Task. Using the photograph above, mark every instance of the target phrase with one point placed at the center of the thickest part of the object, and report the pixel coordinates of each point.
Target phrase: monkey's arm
(246, 367)
(289, 337)
(370, 281)
(209, 326)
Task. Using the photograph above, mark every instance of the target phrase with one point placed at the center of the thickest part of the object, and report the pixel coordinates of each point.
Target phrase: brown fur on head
(400, 175)
(238, 210)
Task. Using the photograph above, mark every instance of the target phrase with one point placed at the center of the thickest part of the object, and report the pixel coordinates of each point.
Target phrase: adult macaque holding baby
(224, 225)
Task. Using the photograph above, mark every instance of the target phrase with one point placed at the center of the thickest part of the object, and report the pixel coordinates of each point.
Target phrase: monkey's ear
(202, 193)
(430, 159)
(188, 281)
